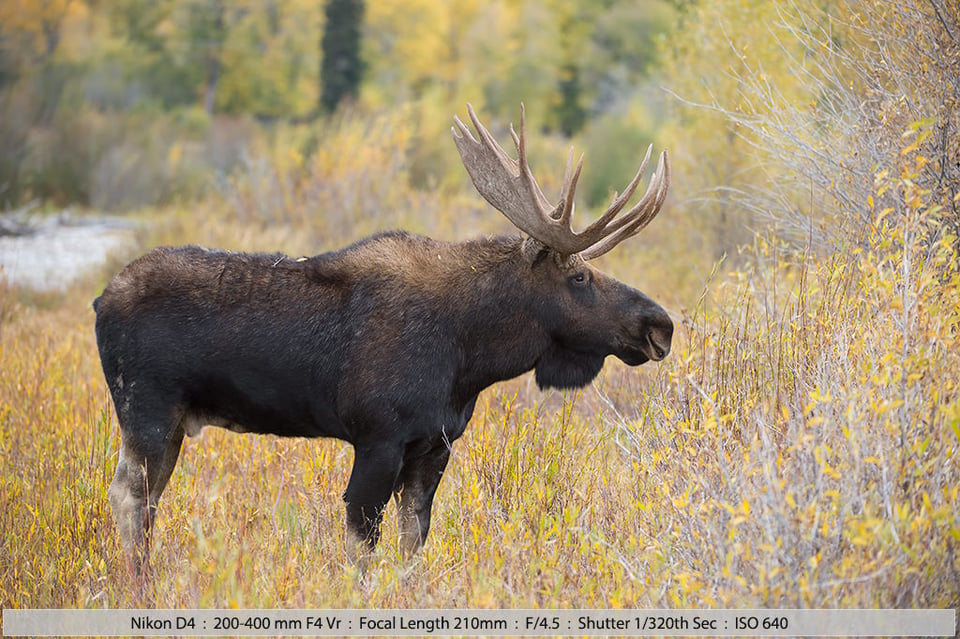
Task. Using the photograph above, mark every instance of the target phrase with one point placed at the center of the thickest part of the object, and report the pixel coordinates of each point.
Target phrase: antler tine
(618, 202)
(521, 143)
(641, 207)
(464, 130)
(639, 216)
(564, 211)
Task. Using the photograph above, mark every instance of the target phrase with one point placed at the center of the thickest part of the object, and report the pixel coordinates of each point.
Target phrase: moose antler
(510, 187)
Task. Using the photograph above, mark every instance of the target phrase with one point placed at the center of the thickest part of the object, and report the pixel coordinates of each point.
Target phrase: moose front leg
(416, 487)
(374, 475)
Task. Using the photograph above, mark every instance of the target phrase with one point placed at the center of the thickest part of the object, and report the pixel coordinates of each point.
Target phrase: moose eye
(579, 279)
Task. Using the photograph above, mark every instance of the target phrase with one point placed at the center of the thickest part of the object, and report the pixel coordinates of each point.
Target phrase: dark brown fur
(384, 344)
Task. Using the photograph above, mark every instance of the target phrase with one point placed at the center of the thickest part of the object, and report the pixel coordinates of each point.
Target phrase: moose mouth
(631, 355)
(636, 351)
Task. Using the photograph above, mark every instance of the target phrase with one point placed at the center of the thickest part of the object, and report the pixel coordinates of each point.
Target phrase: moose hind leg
(128, 500)
(135, 491)
(414, 491)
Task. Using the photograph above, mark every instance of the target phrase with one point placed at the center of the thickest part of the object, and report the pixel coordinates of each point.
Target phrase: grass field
(797, 448)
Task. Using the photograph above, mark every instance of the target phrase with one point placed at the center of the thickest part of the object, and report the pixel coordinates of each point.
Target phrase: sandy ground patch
(48, 254)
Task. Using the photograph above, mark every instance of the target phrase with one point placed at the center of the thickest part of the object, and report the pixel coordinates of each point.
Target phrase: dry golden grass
(798, 448)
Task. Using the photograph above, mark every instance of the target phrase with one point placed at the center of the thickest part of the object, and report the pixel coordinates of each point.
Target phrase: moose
(384, 344)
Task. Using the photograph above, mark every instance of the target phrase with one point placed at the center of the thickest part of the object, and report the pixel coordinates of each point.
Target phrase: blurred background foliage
(775, 113)
(118, 105)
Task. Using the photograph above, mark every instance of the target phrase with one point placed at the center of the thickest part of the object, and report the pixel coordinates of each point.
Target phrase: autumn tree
(29, 35)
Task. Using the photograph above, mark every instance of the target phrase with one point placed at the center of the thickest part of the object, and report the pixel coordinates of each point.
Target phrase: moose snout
(648, 332)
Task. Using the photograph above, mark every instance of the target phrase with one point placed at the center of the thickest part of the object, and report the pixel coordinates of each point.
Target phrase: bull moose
(385, 344)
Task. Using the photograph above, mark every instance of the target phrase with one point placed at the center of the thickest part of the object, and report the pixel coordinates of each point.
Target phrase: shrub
(822, 108)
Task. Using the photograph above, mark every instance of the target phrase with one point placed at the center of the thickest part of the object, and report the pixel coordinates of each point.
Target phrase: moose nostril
(659, 344)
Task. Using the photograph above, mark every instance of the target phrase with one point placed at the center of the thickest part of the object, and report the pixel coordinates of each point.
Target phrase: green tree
(154, 60)
(29, 35)
(207, 29)
(342, 67)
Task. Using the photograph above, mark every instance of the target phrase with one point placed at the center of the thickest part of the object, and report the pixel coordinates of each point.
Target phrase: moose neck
(496, 324)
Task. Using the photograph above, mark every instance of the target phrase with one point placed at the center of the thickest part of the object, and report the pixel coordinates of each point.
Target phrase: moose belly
(250, 401)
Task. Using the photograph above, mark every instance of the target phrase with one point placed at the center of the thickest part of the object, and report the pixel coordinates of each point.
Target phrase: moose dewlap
(384, 344)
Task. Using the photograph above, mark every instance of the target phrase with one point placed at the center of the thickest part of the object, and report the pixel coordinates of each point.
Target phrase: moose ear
(533, 250)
